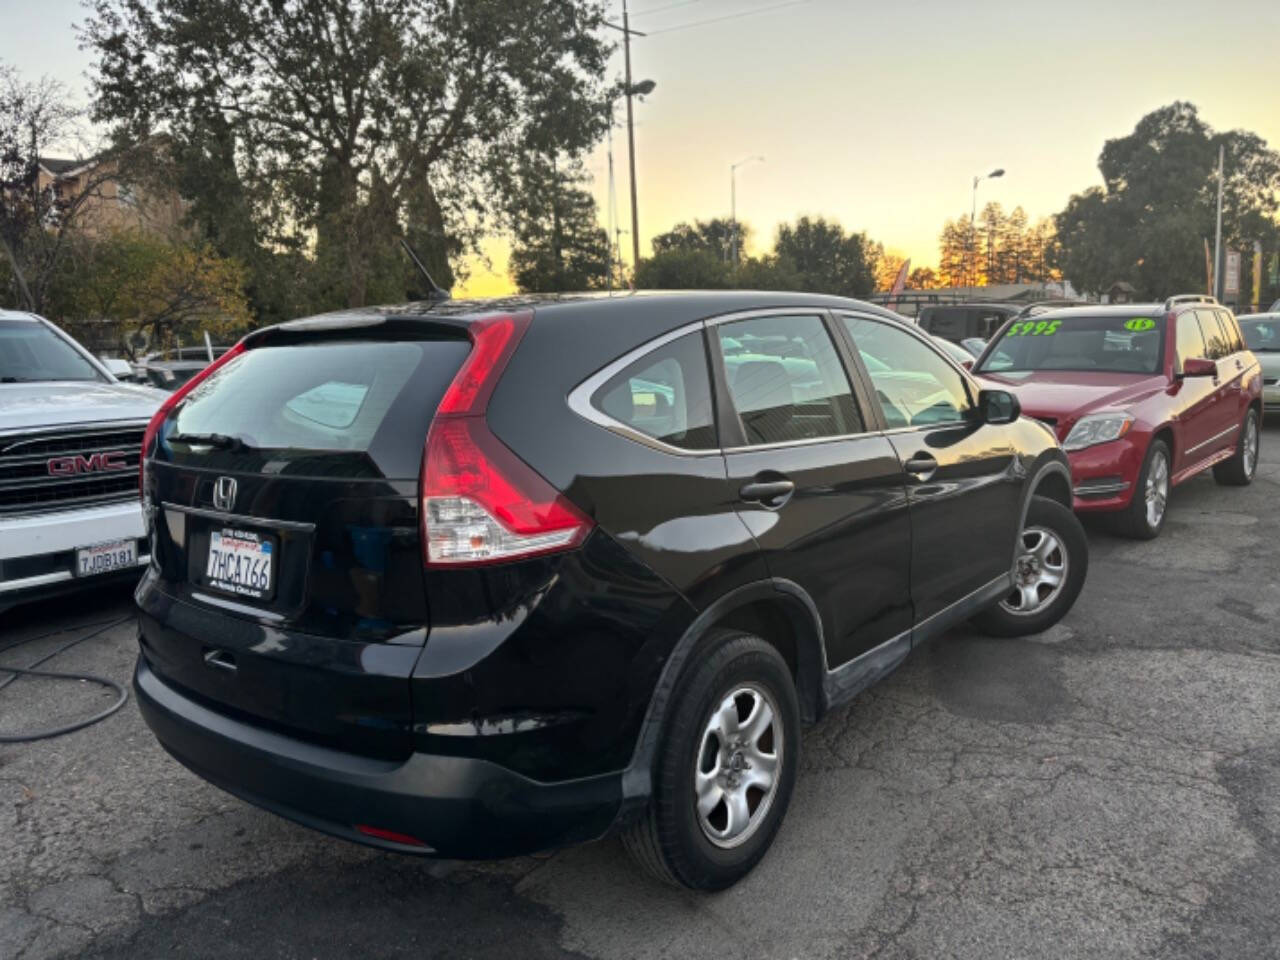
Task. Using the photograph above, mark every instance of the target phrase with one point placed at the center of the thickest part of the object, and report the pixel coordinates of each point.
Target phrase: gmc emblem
(97, 463)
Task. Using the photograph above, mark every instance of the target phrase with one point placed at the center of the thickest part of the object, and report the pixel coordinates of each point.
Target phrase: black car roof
(647, 313)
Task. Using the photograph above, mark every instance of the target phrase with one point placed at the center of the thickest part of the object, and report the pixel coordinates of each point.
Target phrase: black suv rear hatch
(287, 580)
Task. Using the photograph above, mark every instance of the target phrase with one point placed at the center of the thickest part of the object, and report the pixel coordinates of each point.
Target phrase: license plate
(241, 562)
(106, 558)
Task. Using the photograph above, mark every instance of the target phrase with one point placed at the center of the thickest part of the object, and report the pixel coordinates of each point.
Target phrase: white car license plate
(242, 562)
(106, 558)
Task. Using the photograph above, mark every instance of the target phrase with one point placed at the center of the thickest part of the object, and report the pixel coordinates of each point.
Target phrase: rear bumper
(457, 807)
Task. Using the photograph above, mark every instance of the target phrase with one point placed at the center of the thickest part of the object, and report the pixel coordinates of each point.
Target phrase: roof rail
(1189, 298)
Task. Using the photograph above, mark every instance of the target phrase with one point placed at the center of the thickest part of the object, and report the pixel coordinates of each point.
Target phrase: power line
(665, 6)
(728, 16)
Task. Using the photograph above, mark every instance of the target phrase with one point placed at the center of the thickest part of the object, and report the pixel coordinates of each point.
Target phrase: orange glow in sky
(875, 114)
(879, 115)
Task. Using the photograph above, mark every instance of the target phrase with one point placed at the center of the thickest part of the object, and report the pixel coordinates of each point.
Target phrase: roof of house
(58, 166)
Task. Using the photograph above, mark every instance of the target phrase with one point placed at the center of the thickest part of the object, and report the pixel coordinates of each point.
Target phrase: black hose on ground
(32, 670)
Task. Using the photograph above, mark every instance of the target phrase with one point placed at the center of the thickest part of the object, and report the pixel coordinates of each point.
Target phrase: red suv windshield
(1116, 344)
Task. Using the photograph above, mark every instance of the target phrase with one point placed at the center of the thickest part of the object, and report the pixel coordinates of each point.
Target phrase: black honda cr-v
(479, 579)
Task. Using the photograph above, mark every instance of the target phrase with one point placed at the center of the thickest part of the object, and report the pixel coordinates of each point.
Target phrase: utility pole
(631, 142)
(1217, 241)
(645, 86)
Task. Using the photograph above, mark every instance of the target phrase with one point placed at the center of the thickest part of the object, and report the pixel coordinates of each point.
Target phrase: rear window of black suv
(300, 402)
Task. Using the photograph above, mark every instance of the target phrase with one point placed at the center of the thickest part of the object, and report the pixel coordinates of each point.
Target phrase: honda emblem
(224, 493)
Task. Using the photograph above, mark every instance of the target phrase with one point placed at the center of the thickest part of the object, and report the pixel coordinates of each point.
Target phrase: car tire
(1239, 470)
(1052, 542)
(714, 737)
(1144, 518)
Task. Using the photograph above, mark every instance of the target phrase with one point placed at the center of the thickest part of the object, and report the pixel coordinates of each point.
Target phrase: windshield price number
(1034, 328)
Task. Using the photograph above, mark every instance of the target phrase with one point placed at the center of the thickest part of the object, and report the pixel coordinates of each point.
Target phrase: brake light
(480, 502)
(175, 398)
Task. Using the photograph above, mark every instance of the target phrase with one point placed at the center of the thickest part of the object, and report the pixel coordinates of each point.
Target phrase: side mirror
(118, 368)
(999, 406)
(1198, 367)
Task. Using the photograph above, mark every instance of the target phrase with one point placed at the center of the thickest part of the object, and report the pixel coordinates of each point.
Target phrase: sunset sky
(877, 115)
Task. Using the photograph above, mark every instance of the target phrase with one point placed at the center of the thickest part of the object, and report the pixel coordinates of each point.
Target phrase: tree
(560, 244)
(684, 270)
(713, 236)
(827, 259)
(354, 121)
(1148, 222)
(37, 220)
(955, 243)
(135, 282)
(888, 268)
(922, 278)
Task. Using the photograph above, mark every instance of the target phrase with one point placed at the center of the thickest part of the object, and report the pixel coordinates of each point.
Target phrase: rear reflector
(480, 502)
(390, 835)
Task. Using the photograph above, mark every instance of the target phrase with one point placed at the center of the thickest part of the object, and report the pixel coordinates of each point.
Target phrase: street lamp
(973, 216)
(733, 200)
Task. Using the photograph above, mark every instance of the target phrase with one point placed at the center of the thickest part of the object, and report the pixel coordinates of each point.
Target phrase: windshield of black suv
(1115, 344)
(31, 352)
(1261, 333)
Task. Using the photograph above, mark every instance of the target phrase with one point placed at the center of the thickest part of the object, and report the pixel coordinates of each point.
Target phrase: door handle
(921, 467)
(220, 659)
(772, 493)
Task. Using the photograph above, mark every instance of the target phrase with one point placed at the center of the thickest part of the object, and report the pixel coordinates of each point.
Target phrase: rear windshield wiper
(219, 440)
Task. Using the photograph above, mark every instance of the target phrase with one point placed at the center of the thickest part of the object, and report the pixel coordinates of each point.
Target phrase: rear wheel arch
(779, 612)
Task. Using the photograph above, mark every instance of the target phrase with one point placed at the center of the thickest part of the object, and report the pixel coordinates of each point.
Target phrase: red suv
(1141, 396)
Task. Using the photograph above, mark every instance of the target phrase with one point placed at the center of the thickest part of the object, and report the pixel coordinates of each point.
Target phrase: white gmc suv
(70, 436)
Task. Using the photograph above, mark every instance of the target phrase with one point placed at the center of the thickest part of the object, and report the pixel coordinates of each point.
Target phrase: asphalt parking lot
(1109, 789)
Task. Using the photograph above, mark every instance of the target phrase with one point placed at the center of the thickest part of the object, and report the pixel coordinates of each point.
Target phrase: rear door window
(786, 379)
(1215, 338)
(666, 395)
(1190, 340)
(1235, 342)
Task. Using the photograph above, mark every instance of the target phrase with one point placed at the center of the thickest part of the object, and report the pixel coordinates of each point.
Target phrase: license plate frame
(123, 553)
(241, 547)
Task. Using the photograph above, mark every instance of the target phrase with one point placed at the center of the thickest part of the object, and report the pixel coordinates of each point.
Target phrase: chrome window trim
(579, 398)
(806, 442)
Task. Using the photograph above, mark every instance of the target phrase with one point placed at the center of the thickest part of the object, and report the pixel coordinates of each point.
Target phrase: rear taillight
(166, 408)
(480, 502)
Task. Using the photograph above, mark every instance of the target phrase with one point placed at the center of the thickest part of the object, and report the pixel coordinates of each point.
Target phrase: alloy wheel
(738, 766)
(1157, 491)
(1039, 573)
(1250, 445)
